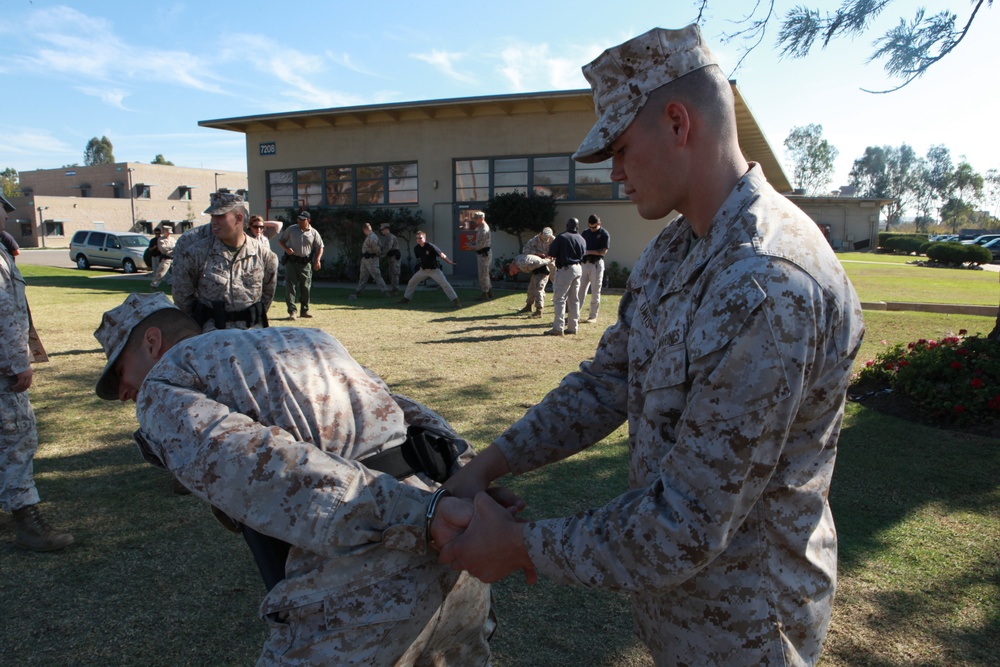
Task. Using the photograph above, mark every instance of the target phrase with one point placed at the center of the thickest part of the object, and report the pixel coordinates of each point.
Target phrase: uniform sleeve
(270, 283)
(728, 442)
(185, 277)
(264, 478)
(15, 356)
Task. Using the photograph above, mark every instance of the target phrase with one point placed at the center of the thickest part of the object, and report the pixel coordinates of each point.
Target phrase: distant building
(125, 196)
(446, 158)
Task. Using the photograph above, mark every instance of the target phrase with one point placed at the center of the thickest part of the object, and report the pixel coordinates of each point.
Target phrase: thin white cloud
(347, 62)
(445, 61)
(532, 67)
(112, 97)
(72, 43)
(31, 141)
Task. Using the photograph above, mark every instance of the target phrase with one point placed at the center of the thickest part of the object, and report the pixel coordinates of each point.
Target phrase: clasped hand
(482, 536)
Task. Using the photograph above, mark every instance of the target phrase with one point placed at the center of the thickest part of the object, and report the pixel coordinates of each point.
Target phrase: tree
(10, 183)
(956, 212)
(886, 172)
(159, 159)
(812, 157)
(909, 49)
(968, 182)
(519, 214)
(991, 189)
(98, 151)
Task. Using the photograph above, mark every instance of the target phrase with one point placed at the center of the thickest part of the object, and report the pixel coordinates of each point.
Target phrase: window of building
(142, 191)
(53, 228)
(184, 192)
(309, 187)
(146, 226)
(25, 230)
(357, 185)
(117, 190)
(84, 189)
(477, 180)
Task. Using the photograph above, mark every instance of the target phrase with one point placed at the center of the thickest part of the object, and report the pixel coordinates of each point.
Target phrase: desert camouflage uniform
(268, 425)
(299, 267)
(537, 245)
(484, 261)
(166, 248)
(369, 265)
(18, 436)
(388, 243)
(208, 271)
(730, 362)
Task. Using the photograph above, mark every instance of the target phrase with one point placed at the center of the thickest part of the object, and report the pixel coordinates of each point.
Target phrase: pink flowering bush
(956, 379)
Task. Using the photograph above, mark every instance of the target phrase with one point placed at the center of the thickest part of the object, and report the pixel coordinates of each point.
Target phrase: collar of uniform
(719, 232)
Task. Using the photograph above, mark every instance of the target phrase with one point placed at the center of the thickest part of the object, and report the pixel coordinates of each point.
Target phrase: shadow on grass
(888, 471)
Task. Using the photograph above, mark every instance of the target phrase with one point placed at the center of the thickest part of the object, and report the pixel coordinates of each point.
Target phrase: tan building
(448, 157)
(125, 196)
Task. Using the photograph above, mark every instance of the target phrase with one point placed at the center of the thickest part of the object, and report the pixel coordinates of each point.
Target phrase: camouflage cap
(224, 202)
(116, 326)
(547, 232)
(304, 215)
(623, 77)
(385, 225)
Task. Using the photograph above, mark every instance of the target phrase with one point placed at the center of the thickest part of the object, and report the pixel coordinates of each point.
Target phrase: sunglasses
(256, 226)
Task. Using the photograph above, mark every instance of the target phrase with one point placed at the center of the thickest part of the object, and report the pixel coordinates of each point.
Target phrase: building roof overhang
(752, 140)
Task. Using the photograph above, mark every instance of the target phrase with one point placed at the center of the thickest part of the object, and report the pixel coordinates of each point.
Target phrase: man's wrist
(432, 510)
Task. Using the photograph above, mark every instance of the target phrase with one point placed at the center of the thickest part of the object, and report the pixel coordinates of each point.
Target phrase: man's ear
(152, 341)
(678, 119)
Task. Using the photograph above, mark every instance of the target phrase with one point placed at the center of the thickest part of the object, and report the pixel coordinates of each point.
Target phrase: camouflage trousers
(483, 262)
(392, 271)
(160, 272)
(369, 269)
(426, 616)
(592, 278)
(536, 290)
(18, 444)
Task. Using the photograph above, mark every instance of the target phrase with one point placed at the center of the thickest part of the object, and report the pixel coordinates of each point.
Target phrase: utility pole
(41, 225)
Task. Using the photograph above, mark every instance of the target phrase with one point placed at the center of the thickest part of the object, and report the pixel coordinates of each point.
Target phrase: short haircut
(707, 90)
(172, 323)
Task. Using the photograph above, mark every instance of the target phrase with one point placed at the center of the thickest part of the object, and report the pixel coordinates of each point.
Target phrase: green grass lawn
(896, 278)
(154, 580)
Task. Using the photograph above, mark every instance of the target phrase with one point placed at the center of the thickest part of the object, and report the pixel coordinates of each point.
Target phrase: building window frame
(477, 179)
(395, 183)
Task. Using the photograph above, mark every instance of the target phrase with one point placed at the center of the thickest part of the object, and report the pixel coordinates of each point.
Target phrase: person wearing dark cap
(730, 360)
(303, 248)
(567, 250)
(598, 242)
(286, 434)
(18, 433)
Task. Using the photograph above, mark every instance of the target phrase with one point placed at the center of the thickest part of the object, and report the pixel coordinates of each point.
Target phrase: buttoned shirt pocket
(667, 368)
(734, 349)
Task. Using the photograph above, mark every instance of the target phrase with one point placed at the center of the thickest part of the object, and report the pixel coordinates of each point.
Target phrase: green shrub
(616, 275)
(904, 243)
(958, 253)
(956, 379)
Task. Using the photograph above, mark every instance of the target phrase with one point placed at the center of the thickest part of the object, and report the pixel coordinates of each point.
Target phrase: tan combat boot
(527, 308)
(537, 315)
(34, 534)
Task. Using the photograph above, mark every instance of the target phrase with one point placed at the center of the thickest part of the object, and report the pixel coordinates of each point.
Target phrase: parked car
(994, 247)
(983, 239)
(94, 247)
(943, 238)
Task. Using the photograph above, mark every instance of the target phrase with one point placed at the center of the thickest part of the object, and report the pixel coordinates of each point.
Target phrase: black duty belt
(425, 450)
(592, 259)
(369, 255)
(483, 252)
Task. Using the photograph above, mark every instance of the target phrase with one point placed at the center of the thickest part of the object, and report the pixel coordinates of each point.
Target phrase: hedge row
(958, 253)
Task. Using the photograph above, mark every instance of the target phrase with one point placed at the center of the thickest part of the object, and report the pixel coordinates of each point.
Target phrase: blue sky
(145, 73)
